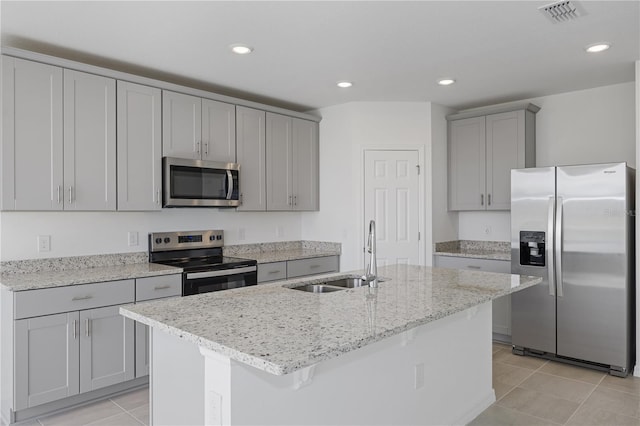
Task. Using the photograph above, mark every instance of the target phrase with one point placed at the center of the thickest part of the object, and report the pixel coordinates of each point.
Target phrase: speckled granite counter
(280, 330)
(35, 274)
(283, 251)
(495, 250)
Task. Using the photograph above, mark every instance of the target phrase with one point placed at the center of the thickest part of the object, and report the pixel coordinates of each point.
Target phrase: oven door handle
(229, 184)
(222, 273)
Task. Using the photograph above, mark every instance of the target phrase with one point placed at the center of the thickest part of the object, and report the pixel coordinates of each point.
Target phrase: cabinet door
(106, 348)
(279, 162)
(305, 165)
(142, 350)
(218, 131)
(31, 150)
(181, 125)
(250, 138)
(505, 151)
(46, 359)
(89, 141)
(139, 147)
(467, 164)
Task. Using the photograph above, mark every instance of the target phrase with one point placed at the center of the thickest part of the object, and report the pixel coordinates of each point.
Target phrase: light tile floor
(529, 391)
(532, 391)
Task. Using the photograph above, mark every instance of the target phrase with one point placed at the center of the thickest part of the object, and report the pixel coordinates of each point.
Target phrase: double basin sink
(330, 286)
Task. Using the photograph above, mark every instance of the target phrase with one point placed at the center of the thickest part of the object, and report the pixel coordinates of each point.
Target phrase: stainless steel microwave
(197, 183)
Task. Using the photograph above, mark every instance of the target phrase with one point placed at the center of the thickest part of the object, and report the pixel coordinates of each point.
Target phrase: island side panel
(372, 385)
(176, 385)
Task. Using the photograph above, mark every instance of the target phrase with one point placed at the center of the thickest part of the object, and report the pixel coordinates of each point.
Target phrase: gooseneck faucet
(371, 274)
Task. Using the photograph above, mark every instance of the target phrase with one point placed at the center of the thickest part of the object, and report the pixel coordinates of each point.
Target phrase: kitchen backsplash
(71, 262)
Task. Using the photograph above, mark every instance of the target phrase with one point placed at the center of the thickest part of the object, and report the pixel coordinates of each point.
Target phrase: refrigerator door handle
(558, 246)
(551, 269)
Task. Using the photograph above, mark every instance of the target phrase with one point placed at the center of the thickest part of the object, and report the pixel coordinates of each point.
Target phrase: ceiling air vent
(561, 11)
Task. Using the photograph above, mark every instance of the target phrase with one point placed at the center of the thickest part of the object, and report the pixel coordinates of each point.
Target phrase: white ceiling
(392, 51)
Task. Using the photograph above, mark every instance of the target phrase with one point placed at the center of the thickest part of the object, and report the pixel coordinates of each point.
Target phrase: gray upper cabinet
(139, 147)
(31, 148)
(483, 150)
(292, 163)
(89, 142)
(250, 139)
(196, 128)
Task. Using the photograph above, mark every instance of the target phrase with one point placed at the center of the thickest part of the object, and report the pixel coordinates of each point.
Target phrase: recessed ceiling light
(345, 84)
(241, 49)
(446, 81)
(598, 47)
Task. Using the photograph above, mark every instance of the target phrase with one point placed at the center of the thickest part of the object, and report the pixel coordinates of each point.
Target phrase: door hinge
(418, 167)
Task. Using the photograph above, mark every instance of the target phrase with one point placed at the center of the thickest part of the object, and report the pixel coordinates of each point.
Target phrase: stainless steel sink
(347, 283)
(317, 288)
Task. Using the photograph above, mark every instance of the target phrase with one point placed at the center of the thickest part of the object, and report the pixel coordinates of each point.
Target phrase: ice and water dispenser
(532, 250)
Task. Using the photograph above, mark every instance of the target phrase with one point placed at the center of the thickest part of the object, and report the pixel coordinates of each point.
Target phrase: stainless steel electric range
(199, 254)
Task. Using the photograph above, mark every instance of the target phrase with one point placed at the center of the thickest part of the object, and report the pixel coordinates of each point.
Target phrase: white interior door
(391, 198)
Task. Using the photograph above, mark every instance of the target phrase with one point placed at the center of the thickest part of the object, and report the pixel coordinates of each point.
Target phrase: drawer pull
(473, 267)
(75, 333)
(274, 272)
(86, 326)
(161, 287)
(314, 266)
(78, 298)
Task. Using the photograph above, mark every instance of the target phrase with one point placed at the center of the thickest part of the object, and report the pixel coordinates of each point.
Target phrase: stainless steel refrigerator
(574, 226)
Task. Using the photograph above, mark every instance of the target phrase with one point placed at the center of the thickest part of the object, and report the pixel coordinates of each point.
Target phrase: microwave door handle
(229, 184)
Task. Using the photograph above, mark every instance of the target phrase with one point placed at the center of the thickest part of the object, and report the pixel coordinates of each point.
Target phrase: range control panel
(162, 241)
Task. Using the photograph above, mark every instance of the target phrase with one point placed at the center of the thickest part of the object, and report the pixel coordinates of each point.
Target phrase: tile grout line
(585, 400)
(128, 412)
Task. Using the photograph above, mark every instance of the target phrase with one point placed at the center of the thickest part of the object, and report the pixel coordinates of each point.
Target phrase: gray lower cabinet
(274, 271)
(151, 288)
(60, 352)
(501, 306)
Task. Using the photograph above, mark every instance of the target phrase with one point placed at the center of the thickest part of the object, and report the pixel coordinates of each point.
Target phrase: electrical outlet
(279, 231)
(44, 243)
(241, 234)
(487, 230)
(133, 238)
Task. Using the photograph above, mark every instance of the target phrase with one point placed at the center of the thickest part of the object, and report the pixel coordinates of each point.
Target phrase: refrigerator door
(533, 322)
(592, 306)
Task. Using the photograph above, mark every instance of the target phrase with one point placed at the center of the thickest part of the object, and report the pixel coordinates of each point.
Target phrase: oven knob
(167, 240)
(212, 238)
(158, 240)
(219, 237)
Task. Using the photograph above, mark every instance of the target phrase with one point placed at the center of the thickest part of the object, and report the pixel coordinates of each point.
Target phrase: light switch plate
(133, 238)
(44, 243)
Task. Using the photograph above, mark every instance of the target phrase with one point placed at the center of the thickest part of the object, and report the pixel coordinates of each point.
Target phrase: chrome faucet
(371, 274)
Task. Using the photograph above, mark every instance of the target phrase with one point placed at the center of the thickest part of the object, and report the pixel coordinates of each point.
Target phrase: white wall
(587, 126)
(345, 130)
(86, 233)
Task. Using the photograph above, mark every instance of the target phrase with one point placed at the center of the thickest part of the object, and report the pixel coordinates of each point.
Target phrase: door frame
(423, 181)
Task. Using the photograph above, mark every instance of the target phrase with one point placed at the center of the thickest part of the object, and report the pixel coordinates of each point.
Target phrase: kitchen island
(416, 350)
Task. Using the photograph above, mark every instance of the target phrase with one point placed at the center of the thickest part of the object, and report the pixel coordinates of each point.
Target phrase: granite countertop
(283, 255)
(47, 279)
(493, 250)
(280, 330)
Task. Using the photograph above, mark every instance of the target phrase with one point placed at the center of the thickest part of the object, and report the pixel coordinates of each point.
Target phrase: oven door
(199, 183)
(225, 279)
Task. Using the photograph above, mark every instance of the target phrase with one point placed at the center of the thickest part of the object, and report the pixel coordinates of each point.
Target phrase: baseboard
(636, 371)
(477, 409)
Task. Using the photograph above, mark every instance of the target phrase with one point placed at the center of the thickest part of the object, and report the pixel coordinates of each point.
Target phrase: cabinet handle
(77, 298)
(295, 200)
(290, 198)
(473, 267)
(161, 287)
(70, 194)
(206, 148)
(489, 199)
(75, 333)
(59, 198)
(274, 272)
(482, 199)
(314, 266)
(241, 196)
(86, 327)
(198, 148)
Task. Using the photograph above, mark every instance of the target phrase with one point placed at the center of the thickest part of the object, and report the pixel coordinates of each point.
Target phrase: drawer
(272, 271)
(488, 265)
(158, 287)
(315, 265)
(46, 301)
